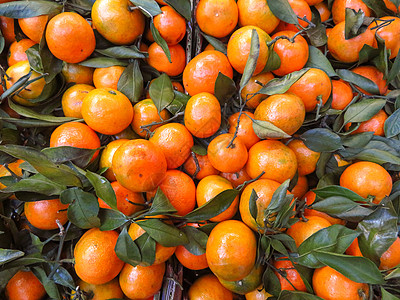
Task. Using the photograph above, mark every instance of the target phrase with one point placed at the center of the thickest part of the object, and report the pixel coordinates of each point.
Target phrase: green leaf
(103, 62)
(283, 11)
(321, 140)
(363, 110)
(166, 235)
(214, 207)
(147, 247)
(131, 82)
(296, 295)
(197, 240)
(124, 52)
(359, 140)
(316, 34)
(62, 277)
(353, 23)
(251, 62)
(316, 59)
(224, 88)
(49, 285)
(182, 7)
(103, 188)
(388, 296)
(376, 156)
(161, 205)
(367, 53)
(273, 61)
(78, 156)
(334, 239)
(379, 7)
(267, 130)
(111, 219)
(200, 150)
(149, 8)
(161, 92)
(127, 250)
(7, 255)
(279, 197)
(282, 85)
(28, 9)
(159, 40)
(179, 103)
(335, 190)
(51, 64)
(360, 81)
(271, 282)
(253, 204)
(392, 124)
(395, 69)
(20, 83)
(356, 268)
(83, 209)
(216, 43)
(35, 61)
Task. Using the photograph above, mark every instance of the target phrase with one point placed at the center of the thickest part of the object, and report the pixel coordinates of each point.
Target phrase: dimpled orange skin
(72, 99)
(373, 74)
(170, 25)
(237, 178)
(239, 48)
(312, 84)
(109, 290)
(17, 50)
(158, 60)
(175, 141)
(95, 258)
(189, 260)
(76, 135)
(342, 94)
(231, 250)
(257, 13)
(107, 77)
(24, 285)
(347, 50)
(227, 159)
(205, 166)
(34, 27)
(301, 230)
(107, 111)
(209, 287)
(391, 257)
(139, 165)
(64, 35)
(141, 282)
(285, 111)
(264, 188)
(45, 213)
(203, 115)
(339, 9)
(306, 158)
(389, 33)
(107, 156)
(329, 284)
(252, 87)
(245, 130)
(211, 186)
(367, 179)
(116, 22)
(202, 71)
(274, 158)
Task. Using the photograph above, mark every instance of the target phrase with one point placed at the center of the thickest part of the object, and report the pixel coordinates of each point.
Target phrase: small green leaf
(392, 124)
(161, 205)
(282, 85)
(161, 92)
(316, 59)
(179, 103)
(224, 88)
(159, 40)
(49, 285)
(360, 81)
(125, 52)
(28, 9)
(62, 276)
(102, 62)
(321, 140)
(200, 150)
(79, 156)
(111, 219)
(197, 240)
(283, 11)
(147, 247)
(216, 43)
(252, 59)
(335, 190)
(149, 7)
(273, 61)
(131, 82)
(7, 255)
(353, 23)
(395, 69)
(359, 140)
(279, 197)
(253, 204)
(363, 110)
(376, 156)
(103, 188)
(127, 250)
(388, 296)
(166, 235)
(182, 7)
(267, 130)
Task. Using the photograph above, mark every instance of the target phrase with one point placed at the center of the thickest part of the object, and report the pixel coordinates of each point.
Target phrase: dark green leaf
(35, 61)
(282, 85)
(182, 7)
(28, 9)
(131, 82)
(271, 282)
(49, 284)
(20, 83)
(392, 124)
(360, 81)
(179, 103)
(251, 62)
(356, 268)
(125, 52)
(147, 247)
(354, 21)
(161, 205)
(51, 64)
(197, 240)
(316, 59)
(149, 7)
(63, 277)
(378, 7)
(363, 110)
(395, 69)
(216, 43)
(296, 295)
(321, 140)
(279, 247)
(159, 40)
(279, 197)
(367, 53)
(376, 156)
(200, 150)
(161, 92)
(103, 62)
(7, 255)
(103, 188)
(79, 156)
(316, 34)
(166, 235)
(253, 204)
(111, 219)
(359, 140)
(224, 88)
(83, 209)
(335, 190)
(214, 207)
(265, 129)
(127, 250)
(283, 11)
(273, 62)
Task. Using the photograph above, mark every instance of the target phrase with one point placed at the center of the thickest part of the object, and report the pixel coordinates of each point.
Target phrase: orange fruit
(104, 291)
(245, 131)
(202, 71)
(170, 25)
(354, 249)
(231, 250)
(258, 294)
(342, 94)
(202, 115)
(247, 284)
(44, 214)
(274, 158)
(139, 165)
(32, 91)
(117, 22)
(375, 124)
(162, 253)
(77, 73)
(339, 9)
(95, 258)
(291, 281)
(347, 50)
(225, 157)
(373, 74)
(128, 202)
(310, 86)
(106, 158)
(367, 179)
(239, 48)
(145, 112)
(75, 134)
(34, 27)
(249, 91)
(264, 188)
(237, 178)
(14, 167)
(330, 284)
(388, 33)
(300, 188)
(391, 257)
(205, 166)
(70, 37)
(16, 52)
(209, 287)
(306, 158)
(107, 111)
(285, 111)
(217, 17)
(159, 61)
(323, 10)
(24, 285)
(175, 141)
(7, 29)
(141, 282)
(72, 99)
(257, 13)
(107, 78)
(309, 197)
(182, 198)
(293, 56)
(211, 186)
(302, 230)
(390, 5)
(189, 260)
